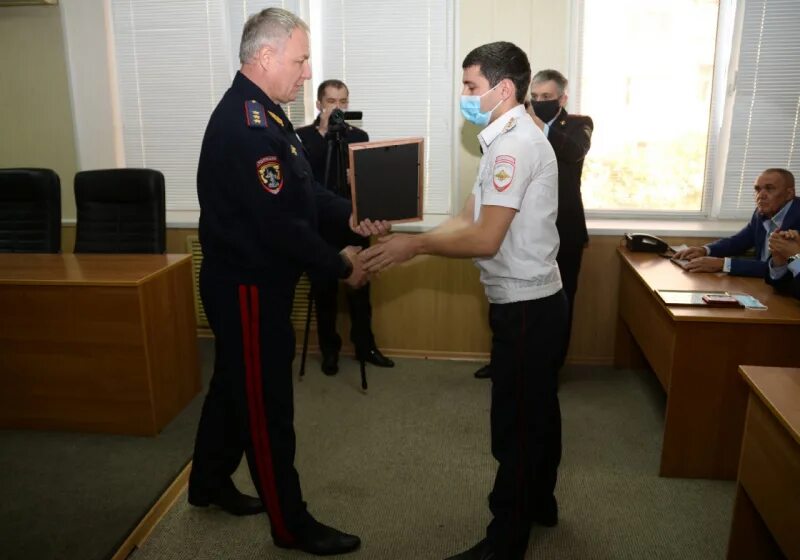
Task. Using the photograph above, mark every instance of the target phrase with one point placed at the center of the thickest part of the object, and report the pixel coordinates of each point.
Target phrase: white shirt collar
(495, 129)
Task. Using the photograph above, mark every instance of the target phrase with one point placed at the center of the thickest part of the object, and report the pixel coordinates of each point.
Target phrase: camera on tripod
(337, 118)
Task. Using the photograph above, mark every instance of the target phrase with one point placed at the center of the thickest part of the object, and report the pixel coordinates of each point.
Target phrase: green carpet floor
(408, 468)
(74, 496)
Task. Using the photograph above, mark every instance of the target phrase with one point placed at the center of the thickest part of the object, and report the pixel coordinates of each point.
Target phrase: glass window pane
(646, 77)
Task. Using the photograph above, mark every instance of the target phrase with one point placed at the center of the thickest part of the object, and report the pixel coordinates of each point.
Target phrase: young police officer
(508, 225)
(260, 210)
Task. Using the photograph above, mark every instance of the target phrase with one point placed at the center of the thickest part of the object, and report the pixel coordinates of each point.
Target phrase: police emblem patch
(503, 172)
(269, 174)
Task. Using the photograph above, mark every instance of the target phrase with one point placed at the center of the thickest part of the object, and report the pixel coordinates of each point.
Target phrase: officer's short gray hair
(268, 27)
(548, 75)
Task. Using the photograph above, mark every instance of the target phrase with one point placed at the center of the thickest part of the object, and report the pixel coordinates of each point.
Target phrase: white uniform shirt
(518, 170)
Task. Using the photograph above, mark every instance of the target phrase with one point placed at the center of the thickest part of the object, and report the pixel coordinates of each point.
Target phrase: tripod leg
(305, 335)
(363, 365)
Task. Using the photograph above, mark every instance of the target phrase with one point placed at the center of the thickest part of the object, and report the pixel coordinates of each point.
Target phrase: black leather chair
(120, 211)
(30, 211)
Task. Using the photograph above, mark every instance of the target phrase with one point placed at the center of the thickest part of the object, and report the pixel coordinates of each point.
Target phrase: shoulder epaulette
(254, 111)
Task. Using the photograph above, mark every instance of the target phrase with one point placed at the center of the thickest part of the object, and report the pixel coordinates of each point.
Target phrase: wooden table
(766, 517)
(695, 353)
(101, 343)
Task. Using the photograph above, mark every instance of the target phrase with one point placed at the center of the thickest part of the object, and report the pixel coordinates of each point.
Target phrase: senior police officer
(508, 225)
(260, 213)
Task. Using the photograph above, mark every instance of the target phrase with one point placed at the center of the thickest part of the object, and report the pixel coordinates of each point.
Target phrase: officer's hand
(367, 227)
(705, 264)
(359, 276)
(690, 253)
(389, 251)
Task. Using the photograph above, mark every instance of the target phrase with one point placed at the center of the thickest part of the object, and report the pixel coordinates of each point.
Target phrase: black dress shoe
(375, 357)
(546, 514)
(483, 373)
(481, 551)
(230, 500)
(330, 363)
(322, 540)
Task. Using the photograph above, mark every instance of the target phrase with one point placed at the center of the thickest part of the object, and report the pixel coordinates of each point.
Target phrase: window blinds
(400, 75)
(766, 105)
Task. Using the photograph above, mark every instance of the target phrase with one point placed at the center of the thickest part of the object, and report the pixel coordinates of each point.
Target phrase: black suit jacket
(571, 138)
(317, 150)
(786, 284)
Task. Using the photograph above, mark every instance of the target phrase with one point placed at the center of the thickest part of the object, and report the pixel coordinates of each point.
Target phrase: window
(665, 139)
(645, 77)
(399, 73)
(172, 67)
(175, 59)
(765, 99)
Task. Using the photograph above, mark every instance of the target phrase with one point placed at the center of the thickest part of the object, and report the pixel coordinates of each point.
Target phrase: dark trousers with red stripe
(525, 417)
(249, 406)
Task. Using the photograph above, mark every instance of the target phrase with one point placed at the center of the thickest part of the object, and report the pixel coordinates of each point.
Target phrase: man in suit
(784, 265)
(326, 147)
(777, 209)
(571, 137)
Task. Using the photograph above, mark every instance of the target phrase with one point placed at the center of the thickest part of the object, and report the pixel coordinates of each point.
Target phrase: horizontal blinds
(400, 75)
(172, 68)
(764, 126)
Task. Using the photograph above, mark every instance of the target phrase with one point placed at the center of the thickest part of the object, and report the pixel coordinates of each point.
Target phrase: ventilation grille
(299, 307)
(193, 246)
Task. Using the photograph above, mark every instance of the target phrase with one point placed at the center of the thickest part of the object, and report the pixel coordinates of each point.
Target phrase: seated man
(777, 208)
(784, 266)
(326, 149)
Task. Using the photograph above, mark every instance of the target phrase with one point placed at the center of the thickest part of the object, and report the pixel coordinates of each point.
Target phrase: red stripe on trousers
(255, 406)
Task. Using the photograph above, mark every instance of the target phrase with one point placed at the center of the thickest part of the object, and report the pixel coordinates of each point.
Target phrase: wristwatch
(794, 257)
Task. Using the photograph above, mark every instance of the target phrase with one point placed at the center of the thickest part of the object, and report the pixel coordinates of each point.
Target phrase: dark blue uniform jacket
(260, 208)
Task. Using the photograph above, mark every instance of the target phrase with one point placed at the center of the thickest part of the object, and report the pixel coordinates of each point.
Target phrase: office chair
(30, 211)
(120, 211)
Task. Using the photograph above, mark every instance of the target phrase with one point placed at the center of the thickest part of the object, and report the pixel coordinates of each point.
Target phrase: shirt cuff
(776, 271)
(794, 266)
(726, 267)
(708, 249)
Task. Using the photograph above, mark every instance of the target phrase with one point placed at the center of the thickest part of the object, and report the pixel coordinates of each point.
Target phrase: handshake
(387, 252)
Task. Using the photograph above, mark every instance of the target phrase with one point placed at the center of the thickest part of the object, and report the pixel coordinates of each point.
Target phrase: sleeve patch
(254, 111)
(503, 172)
(270, 174)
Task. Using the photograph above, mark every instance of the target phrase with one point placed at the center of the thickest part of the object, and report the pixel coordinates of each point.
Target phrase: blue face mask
(471, 109)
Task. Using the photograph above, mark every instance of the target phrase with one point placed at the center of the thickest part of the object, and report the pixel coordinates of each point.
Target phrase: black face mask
(546, 110)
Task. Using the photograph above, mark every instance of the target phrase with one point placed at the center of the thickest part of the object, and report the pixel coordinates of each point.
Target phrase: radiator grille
(299, 307)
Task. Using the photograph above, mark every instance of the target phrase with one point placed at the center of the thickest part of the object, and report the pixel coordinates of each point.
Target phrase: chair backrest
(30, 211)
(120, 211)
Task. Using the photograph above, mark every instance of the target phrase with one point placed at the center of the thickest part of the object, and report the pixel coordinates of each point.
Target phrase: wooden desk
(766, 516)
(695, 352)
(101, 343)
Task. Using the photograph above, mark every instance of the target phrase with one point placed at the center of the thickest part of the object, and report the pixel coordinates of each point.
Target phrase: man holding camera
(326, 141)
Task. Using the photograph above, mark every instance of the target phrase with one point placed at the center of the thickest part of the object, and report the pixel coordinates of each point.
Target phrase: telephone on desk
(645, 243)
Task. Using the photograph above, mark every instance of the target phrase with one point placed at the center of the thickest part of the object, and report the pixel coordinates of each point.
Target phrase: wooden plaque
(387, 179)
